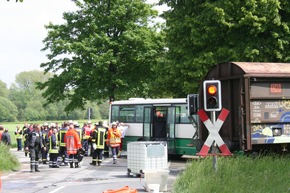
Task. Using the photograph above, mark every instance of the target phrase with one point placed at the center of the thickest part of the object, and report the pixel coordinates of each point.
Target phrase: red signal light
(212, 90)
(212, 95)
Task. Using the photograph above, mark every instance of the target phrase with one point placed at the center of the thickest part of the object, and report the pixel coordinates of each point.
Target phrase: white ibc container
(146, 155)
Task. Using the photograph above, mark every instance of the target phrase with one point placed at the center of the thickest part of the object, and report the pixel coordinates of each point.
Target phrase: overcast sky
(22, 31)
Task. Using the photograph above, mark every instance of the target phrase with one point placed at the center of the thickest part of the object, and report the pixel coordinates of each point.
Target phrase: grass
(8, 161)
(236, 175)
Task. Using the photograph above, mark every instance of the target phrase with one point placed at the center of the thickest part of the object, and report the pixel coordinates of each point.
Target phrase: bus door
(171, 130)
(147, 123)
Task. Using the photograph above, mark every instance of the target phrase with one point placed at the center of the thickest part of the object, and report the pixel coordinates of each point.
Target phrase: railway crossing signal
(213, 133)
(212, 95)
(192, 104)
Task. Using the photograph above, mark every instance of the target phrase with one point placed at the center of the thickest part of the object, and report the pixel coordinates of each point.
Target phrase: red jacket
(72, 141)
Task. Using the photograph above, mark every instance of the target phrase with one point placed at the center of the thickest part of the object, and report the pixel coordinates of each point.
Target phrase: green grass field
(236, 175)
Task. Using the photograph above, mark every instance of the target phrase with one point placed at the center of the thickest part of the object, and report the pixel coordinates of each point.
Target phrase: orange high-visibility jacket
(114, 133)
(72, 141)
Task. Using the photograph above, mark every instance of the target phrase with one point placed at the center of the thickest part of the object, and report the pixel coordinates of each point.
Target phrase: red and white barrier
(214, 132)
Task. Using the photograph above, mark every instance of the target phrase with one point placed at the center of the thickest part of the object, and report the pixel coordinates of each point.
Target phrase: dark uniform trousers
(35, 154)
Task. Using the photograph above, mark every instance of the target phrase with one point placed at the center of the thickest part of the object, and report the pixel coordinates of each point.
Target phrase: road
(74, 180)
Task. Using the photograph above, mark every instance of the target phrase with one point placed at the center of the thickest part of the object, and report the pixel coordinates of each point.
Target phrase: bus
(157, 120)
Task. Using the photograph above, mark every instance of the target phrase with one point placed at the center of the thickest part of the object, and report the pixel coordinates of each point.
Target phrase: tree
(105, 50)
(24, 94)
(3, 89)
(8, 111)
(200, 34)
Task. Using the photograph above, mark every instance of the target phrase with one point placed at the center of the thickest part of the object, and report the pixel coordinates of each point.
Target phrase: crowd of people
(66, 144)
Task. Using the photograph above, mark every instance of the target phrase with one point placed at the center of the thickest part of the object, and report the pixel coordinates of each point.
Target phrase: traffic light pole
(214, 146)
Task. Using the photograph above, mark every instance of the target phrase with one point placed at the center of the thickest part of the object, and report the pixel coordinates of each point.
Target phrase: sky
(22, 31)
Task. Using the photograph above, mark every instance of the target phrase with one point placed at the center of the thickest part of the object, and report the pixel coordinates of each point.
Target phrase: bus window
(183, 118)
(115, 113)
(139, 113)
(127, 114)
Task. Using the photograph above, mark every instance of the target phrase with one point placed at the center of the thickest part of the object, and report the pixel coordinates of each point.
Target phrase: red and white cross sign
(214, 132)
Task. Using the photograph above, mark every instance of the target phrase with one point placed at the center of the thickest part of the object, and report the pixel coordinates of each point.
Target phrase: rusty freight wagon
(257, 95)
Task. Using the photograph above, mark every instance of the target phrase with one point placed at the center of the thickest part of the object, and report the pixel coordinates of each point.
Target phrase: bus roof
(150, 101)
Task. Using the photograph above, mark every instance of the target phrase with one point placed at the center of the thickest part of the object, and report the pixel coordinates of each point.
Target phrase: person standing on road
(53, 148)
(44, 152)
(34, 144)
(6, 140)
(19, 134)
(86, 137)
(106, 149)
(73, 144)
(98, 143)
(114, 140)
(123, 128)
(62, 156)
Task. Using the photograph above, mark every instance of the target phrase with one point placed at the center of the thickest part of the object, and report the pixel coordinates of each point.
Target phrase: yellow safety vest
(100, 140)
(51, 150)
(61, 137)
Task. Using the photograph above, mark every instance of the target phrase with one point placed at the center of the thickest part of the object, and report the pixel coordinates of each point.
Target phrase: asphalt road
(88, 178)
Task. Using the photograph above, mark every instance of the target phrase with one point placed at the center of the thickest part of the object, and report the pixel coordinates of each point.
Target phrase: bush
(7, 159)
(236, 174)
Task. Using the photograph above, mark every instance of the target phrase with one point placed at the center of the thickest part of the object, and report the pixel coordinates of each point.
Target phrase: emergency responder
(53, 147)
(34, 144)
(27, 128)
(79, 131)
(123, 128)
(73, 144)
(87, 137)
(62, 156)
(106, 149)
(44, 153)
(98, 143)
(19, 135)
(114, 140)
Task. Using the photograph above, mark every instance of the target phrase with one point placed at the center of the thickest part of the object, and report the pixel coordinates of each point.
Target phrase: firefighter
(106, 149)
(98, 143)
(62, 156)
(87, 137)
(34, 144)
(73, 144)
(79, 130)
(19, 135)
(53, 147)
(27, 128)
(114, 140)
(45, 132)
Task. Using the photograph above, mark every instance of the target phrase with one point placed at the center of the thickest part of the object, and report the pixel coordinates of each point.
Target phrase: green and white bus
(172, 125)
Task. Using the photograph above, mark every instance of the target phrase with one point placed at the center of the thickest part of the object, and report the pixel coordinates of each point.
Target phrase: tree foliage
(8, 111)
(3, 89)
(200, 34)
(25, 103)
(105, 50)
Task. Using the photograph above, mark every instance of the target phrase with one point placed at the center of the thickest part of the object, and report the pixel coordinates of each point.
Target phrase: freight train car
(258, 97)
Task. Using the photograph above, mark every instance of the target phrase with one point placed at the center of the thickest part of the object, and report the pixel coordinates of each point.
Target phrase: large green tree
(8, 111)
(3, 89)
(26, 97)
(105, 50)
(200, 34)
